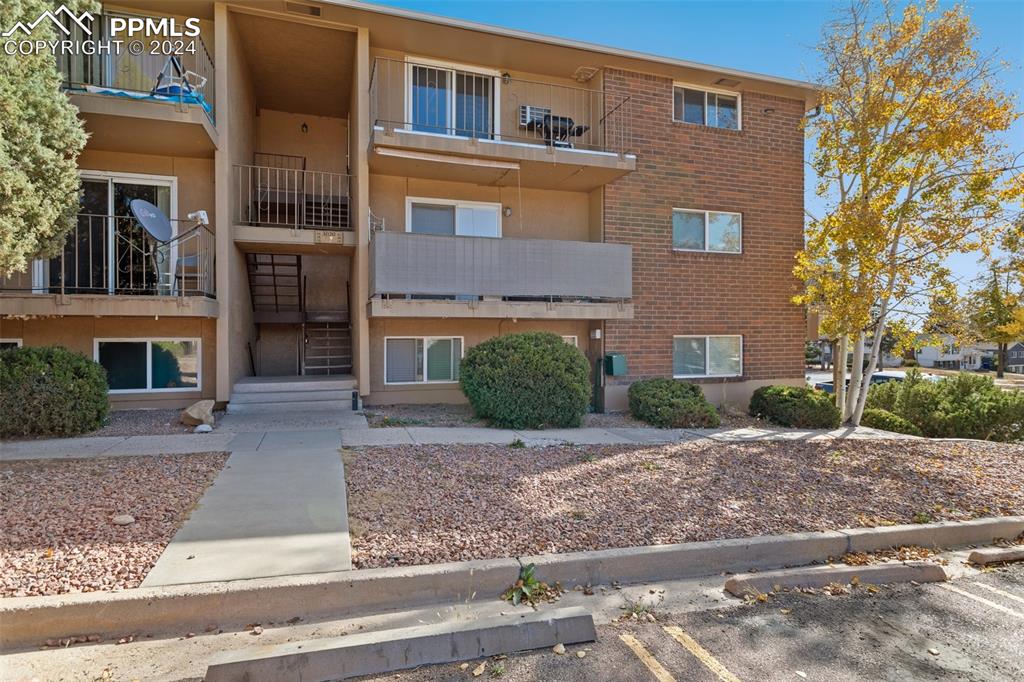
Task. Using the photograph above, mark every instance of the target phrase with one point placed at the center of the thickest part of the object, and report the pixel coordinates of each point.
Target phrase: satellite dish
(152, 220)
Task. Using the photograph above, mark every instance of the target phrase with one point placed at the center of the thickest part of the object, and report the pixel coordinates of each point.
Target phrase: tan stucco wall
(277, 350)
(536, 213)
(324, 145)
(327, 282)
(472, 331)
(78, 333)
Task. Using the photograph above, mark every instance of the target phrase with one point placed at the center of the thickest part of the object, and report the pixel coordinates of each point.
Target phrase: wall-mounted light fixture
(305, 128)
(506, 78)
(507, 211)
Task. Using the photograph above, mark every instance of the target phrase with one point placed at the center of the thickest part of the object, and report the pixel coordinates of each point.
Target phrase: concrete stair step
(296, 406)
(290, 396)
(279, 384)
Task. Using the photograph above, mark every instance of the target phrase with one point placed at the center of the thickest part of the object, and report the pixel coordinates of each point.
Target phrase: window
(571, 340)
(442, 216)
(446, 101)
(415, 360)
(8, 344)
(707, 107)
(150, 364)
(707, 231)
(698, 356)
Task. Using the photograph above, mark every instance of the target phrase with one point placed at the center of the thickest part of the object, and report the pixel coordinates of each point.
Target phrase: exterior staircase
(273, 395)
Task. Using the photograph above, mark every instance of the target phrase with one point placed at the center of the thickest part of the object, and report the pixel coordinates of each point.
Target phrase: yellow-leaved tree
(911, 169)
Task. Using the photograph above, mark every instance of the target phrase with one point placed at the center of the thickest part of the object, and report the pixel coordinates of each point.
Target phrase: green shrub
(527, 381)
(876, 418)
(50, 391)
(961, 406)
(669, 403)
(795, 406)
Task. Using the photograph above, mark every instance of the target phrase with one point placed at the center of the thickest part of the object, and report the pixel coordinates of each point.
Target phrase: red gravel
(425, 504)
(56, 530)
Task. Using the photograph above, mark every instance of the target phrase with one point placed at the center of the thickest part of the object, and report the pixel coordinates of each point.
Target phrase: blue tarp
(179, 96)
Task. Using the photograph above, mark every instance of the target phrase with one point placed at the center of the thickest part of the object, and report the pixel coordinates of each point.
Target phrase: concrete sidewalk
(358, 436)
(269, 513)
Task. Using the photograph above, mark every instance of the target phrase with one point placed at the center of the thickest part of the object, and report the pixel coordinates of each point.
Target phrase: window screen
(688, 356)
(433, 219)
(401, 359)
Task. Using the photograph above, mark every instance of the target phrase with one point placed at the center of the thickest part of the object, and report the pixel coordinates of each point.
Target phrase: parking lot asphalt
(969, 629)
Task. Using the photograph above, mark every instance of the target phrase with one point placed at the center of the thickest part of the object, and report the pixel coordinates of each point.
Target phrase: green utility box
(615, 365)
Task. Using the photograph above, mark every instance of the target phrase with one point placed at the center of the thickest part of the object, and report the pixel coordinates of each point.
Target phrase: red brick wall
(757, 171)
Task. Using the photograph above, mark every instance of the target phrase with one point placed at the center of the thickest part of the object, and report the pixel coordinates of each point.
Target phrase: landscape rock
(200, 412)
(203, 428)
(123, 520)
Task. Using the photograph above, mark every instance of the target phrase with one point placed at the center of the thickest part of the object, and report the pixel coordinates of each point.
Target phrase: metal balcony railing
(430, 265)
(137, 76)
(291, 197)
(114, 255)
(434, 99)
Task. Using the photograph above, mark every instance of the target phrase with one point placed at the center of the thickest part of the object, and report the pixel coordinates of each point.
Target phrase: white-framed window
(8, 344)
(713, 231)
(422, 359)
(442, 98)
(707, 107)
(452, 217)
(137, 365)
(572, 340)
(707, 356)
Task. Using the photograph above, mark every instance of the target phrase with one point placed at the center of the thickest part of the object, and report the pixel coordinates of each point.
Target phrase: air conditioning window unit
(530, 114)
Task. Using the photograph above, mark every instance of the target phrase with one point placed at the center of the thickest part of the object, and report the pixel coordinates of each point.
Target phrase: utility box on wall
(615, 365)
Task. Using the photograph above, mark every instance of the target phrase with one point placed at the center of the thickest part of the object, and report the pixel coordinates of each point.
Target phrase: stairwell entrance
(300, 308)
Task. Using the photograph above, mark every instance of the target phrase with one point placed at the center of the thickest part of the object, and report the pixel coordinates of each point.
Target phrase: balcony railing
(114, 255)
(137, 76)
(404, 263)
(291, 197)
(433, 99)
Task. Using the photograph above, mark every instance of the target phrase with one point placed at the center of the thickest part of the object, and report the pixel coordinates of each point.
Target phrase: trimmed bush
(669, 403)
(876, 418)
(50, 391)
(532, 380)
(961, 406)
(796, 406)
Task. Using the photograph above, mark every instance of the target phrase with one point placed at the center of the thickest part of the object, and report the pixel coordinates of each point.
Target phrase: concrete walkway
(356, 436)
(279, 511)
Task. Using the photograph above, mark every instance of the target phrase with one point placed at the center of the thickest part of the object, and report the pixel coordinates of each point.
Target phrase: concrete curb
(996, 555)
(28, 621)
(384, 651)
(753, 584)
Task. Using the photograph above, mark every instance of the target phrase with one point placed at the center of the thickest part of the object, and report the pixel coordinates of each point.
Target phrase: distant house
(944, 352)
(1015, 358)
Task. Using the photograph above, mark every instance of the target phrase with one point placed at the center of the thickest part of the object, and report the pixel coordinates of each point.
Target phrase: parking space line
(982, 600)
(702, 654)
(1000, 592)
(647, 659)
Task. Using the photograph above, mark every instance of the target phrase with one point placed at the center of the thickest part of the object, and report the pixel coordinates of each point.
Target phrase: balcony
(279, 201)
(111, 266)
(491, 128)
(425, 275)
(174, 94)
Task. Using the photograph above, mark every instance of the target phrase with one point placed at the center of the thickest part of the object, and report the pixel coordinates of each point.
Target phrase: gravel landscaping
(425, 504)
(57, 519)
(138, 423)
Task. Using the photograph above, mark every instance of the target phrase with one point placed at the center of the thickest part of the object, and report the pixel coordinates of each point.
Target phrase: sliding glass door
(449, 102)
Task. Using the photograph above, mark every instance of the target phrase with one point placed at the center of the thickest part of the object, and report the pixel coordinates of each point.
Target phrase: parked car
(878, 378)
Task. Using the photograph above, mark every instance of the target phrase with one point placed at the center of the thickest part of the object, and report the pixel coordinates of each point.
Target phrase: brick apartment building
(387, 188)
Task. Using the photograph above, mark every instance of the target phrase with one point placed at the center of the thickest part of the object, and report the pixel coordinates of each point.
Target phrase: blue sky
(770, 37)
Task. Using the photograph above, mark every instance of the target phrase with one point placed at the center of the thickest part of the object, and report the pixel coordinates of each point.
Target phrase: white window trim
(706, 338)
(17, 342)
(425, 340)
(572, 340)
(495, 75)
(707, 231)
(148, 340)
(409, 201)
(705, 89)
